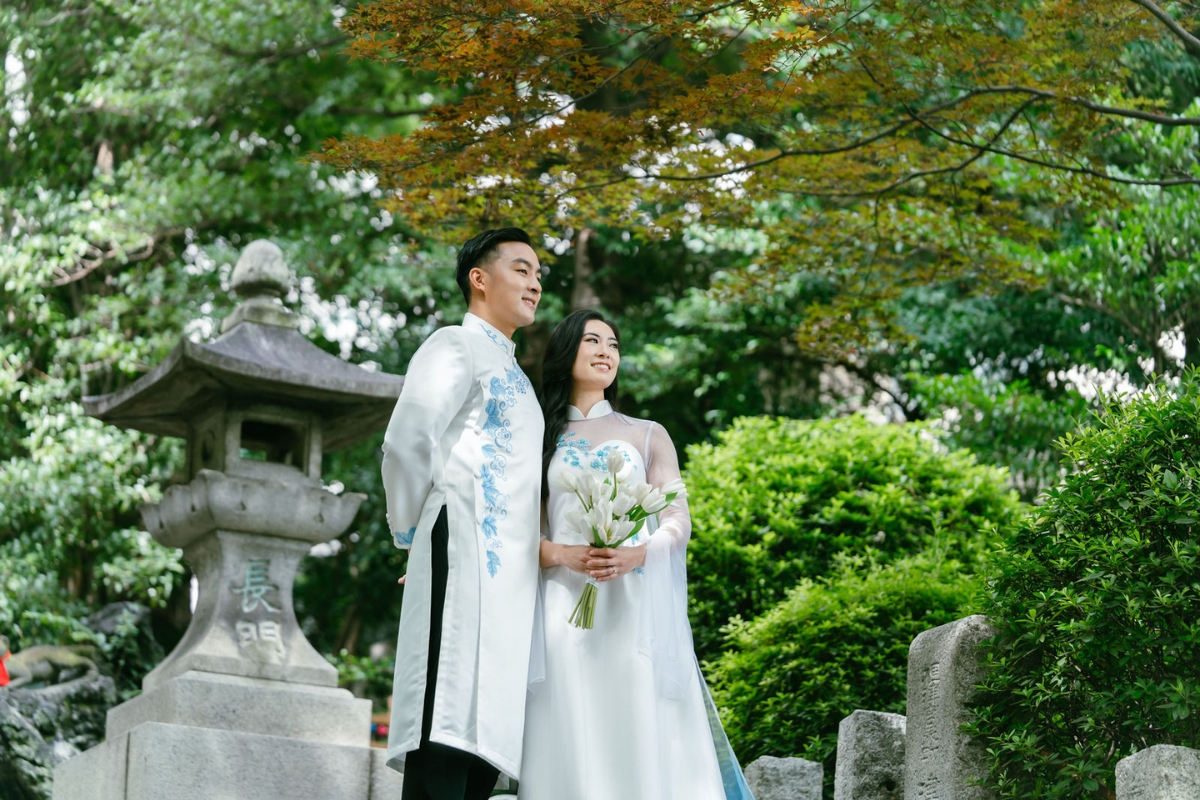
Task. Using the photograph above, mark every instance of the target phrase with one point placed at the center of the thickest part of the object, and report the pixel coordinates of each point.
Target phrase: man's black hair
(479, 250)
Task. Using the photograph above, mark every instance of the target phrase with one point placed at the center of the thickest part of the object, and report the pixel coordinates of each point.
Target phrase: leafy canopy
(910, 131)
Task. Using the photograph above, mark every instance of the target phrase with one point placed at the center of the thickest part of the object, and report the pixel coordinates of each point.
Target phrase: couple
(491, 677)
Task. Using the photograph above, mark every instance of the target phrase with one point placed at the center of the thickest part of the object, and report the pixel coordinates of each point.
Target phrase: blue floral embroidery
(491, 334)
(572, 448)
(498, 428)
(404, 539)
(576, 449)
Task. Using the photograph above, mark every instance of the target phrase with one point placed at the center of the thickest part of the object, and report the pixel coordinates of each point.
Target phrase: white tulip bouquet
(612, 510)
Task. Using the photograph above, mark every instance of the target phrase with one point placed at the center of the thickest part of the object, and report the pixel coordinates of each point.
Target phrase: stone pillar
(1162, 772)
(940, 762)
(773, 778)
(870, 757)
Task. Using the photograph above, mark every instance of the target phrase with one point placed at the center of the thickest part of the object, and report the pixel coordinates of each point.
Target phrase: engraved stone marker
(940, 762)
(773, 778)
(244, 706)
(1162, 772)
(870, 757)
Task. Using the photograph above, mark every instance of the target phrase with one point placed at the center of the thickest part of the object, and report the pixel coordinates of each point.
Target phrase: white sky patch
(363, 325)
(352, 184)
(14, 101)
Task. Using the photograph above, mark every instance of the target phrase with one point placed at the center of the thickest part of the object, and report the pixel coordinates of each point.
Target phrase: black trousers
(435, 771)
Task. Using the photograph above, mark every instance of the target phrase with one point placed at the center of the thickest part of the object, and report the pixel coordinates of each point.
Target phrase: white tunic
(467, 434)
(622, 712)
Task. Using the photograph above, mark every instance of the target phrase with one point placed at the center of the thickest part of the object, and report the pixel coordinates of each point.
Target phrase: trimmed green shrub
(1097, 601)
(774, 500)
(832, 646)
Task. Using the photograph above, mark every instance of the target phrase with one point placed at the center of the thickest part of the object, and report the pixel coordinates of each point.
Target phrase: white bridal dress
(621, 711)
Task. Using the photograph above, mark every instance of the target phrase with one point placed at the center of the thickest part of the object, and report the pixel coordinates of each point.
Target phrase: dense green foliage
(774, 501)
(1097, 601)
(144, 144)
(832, 646)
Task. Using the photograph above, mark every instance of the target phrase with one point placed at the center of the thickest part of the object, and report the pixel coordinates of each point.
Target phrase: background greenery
(775, 501)
(142, 143)
(1095, 598)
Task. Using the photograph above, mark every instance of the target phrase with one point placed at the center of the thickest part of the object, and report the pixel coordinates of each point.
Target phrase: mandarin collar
(477, 324)
(601, 409)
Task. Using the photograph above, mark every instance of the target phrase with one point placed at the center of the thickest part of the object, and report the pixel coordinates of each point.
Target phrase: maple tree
(907, 134)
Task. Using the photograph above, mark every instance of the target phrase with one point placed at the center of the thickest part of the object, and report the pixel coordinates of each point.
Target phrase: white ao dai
(622, 713)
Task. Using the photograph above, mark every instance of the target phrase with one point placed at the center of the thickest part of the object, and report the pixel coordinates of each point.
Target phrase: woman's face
(597, 359)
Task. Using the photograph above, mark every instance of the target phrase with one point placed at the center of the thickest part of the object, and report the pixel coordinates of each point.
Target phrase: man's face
(507, 291)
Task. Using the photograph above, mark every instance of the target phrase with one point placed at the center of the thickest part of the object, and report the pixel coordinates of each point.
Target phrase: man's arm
(437, 384)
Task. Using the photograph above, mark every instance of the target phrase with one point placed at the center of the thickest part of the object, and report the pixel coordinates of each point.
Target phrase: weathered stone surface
(41, 728)
(218, 501)
(870, 757)
(773, 778)
(942, 763)
(244, 623)
(155, 761)
(386, 783)
(261, 270)
(1162, 772)
(250, 705)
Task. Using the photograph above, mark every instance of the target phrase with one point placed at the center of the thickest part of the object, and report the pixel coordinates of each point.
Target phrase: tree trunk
(583, 295)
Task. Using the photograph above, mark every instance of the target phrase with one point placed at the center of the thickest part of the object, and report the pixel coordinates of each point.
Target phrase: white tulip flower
(675, 487)
(568, 481)
(654, 502)
(623, 503)
(616, 461)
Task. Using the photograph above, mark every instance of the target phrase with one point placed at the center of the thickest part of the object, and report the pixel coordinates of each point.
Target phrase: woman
(619, 711)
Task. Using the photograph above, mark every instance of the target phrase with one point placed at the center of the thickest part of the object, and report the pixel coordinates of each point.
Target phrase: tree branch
(1091, 105)
(1190, 42)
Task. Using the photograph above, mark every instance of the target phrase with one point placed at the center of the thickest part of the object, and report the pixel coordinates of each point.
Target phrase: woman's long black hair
(556, 378)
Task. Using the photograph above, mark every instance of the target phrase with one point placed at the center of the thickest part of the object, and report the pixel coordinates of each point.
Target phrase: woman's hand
(572, 556)
(606, 563)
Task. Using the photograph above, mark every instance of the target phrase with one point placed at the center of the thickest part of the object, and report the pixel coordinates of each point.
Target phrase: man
(462, 474)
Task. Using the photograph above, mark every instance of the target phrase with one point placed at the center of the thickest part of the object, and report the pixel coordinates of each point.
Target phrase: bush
(1097, 602)
(774, 500)
(833, 646)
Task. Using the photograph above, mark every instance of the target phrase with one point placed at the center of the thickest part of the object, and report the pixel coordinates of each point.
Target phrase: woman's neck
(586, 399)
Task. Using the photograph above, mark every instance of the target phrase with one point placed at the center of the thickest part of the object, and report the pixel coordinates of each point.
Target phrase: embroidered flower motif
(404, 538)
(498, 428)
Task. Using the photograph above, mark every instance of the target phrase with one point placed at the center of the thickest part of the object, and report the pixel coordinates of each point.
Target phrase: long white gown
(620, 711)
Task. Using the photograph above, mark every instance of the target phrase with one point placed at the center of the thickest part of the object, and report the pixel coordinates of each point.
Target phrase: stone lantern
(244, 706)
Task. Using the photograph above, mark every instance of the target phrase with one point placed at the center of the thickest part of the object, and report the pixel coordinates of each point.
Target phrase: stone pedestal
(157, 761)
(941, 762)
(773, 778)
(1162, 772)
(244, 707)
(870, 757)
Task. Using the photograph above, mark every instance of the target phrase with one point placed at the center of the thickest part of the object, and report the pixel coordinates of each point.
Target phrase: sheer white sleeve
(436, 386)
(665, 634)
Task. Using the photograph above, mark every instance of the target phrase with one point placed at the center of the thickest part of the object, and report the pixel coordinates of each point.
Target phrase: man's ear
(476, 278)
